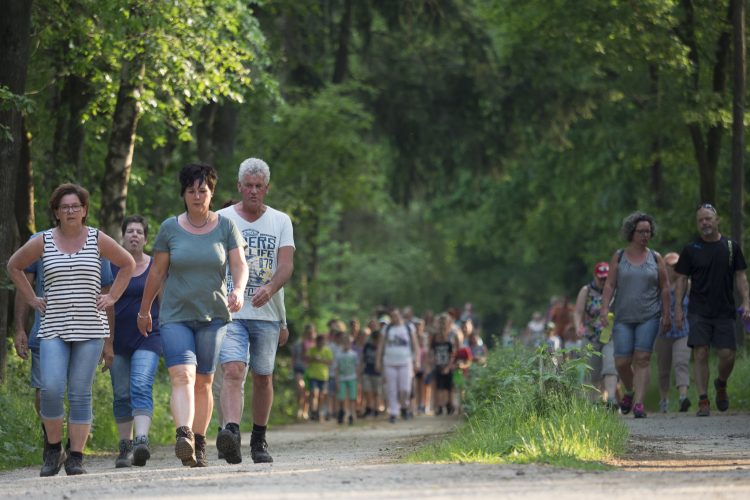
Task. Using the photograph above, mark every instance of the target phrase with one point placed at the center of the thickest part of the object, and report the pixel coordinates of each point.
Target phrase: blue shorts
(36, 369)
(193, 343)
(317, 384)
(259, 338)
(630, 337)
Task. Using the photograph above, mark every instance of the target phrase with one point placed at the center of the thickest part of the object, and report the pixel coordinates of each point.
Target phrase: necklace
(198, 226)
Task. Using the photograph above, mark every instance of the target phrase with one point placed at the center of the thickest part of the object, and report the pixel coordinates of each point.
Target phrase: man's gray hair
(254, 166)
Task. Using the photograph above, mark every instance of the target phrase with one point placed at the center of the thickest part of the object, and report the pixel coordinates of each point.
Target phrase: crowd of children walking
(397, 364)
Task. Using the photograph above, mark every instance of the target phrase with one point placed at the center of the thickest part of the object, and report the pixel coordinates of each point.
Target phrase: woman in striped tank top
(74, 321)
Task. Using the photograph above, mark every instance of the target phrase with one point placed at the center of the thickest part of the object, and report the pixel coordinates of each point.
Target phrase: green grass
(523, 409)
(20, 428)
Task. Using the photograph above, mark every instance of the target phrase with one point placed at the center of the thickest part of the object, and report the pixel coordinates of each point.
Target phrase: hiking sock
(703, 396)
(56, 446)
(720, 383)
(259, 432)
(77, 454)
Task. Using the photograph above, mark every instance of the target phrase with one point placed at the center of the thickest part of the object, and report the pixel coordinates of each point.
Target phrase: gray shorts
(36, 369)
(601, 365)
(371, 383)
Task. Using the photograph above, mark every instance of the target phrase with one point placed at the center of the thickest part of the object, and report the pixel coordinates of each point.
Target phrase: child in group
(372, 381)
(443, 359)
(299, 348)
(318, 359)
(346, 376)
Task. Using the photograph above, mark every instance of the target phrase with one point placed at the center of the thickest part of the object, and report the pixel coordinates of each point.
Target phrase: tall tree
(15, 25)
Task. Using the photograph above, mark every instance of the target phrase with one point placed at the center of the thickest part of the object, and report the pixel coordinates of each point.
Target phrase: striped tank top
(72, 283)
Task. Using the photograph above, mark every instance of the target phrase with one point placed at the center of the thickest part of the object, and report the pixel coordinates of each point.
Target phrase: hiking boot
(340, 417)
(184, 447)
(704, 408)
(663, 406)
(141, 451)
(228, 443)
(626, 404)
(74, 465)
(200, 452)
(639, 411)
(52, 462)
(722, 400)
(684, 405)
(404, 413)
(219, 454)
(125, 458)
(259, 450)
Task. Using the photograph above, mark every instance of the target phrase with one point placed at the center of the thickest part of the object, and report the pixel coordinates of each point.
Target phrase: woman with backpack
(641, 307)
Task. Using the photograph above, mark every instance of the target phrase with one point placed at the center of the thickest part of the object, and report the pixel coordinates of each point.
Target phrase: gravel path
(672, 456)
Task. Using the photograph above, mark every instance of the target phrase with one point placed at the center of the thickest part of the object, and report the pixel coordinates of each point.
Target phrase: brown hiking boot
(704, 408)
(184, 446)
(722, 399)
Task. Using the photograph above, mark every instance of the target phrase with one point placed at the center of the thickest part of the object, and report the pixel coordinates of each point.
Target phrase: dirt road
(672, 456)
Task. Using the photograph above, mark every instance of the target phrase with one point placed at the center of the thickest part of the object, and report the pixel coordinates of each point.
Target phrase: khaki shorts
(372, 383)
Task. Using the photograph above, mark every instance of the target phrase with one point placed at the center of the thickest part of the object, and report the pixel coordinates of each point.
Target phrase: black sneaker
(684, 405)
(722, 399)
(125, 458)
(340, 417)
(141, 451)
(449, 409)
(351, 420)
(259, 451)
(404, 413)
(184, 447)
(200, 452)
(74, 465)
(392, 419)
(228, 443)
(52, 462)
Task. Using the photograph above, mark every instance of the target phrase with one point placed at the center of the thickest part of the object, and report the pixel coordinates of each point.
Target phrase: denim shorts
(630, 337)
(320, 385)
(259, 338)
(36, 368)
(193, 343)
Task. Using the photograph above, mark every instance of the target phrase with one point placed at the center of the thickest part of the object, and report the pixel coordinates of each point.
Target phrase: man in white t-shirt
(255, 328)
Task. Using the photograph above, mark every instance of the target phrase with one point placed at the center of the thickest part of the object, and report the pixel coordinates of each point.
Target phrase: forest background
(428, 152)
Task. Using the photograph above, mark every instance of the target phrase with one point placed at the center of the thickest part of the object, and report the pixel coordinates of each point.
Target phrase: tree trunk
(707, 150)
(657, 169)
(15, 25)
(25, 218)
(341, 67)
(120, 148)
(204, 135)
(79, 95)
(738, 129)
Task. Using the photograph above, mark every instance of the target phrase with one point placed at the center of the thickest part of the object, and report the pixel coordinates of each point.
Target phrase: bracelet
(143, 317)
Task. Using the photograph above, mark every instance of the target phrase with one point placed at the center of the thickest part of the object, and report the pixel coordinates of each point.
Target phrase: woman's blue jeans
(70, 365)
(133, 383)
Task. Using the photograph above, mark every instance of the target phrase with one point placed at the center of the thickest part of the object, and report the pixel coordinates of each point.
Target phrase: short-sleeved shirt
(127, 337)
(442, 352)
(316, 369)
(397, 350)
(711, 266)
(196, 288)
(369, 359)
(347, 361)
(263, 238)
(36, 270)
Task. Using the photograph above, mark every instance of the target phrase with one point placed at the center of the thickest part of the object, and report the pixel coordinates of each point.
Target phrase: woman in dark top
(136, 357)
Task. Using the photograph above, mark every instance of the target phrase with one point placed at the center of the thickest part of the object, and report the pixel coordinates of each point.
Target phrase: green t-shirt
(316, 369)
(196, 288)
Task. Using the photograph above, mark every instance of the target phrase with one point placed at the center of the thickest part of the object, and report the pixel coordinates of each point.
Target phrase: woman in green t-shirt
(191, 253)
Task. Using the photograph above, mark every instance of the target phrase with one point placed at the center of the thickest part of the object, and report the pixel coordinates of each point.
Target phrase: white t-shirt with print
(263, 237)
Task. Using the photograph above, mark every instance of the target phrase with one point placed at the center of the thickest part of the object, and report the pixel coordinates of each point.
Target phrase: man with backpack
(715, 265)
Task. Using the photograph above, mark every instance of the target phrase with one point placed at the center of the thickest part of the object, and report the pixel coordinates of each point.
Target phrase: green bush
(530, 407)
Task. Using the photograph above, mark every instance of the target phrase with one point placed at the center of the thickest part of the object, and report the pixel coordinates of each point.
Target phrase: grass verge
(525, 407)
